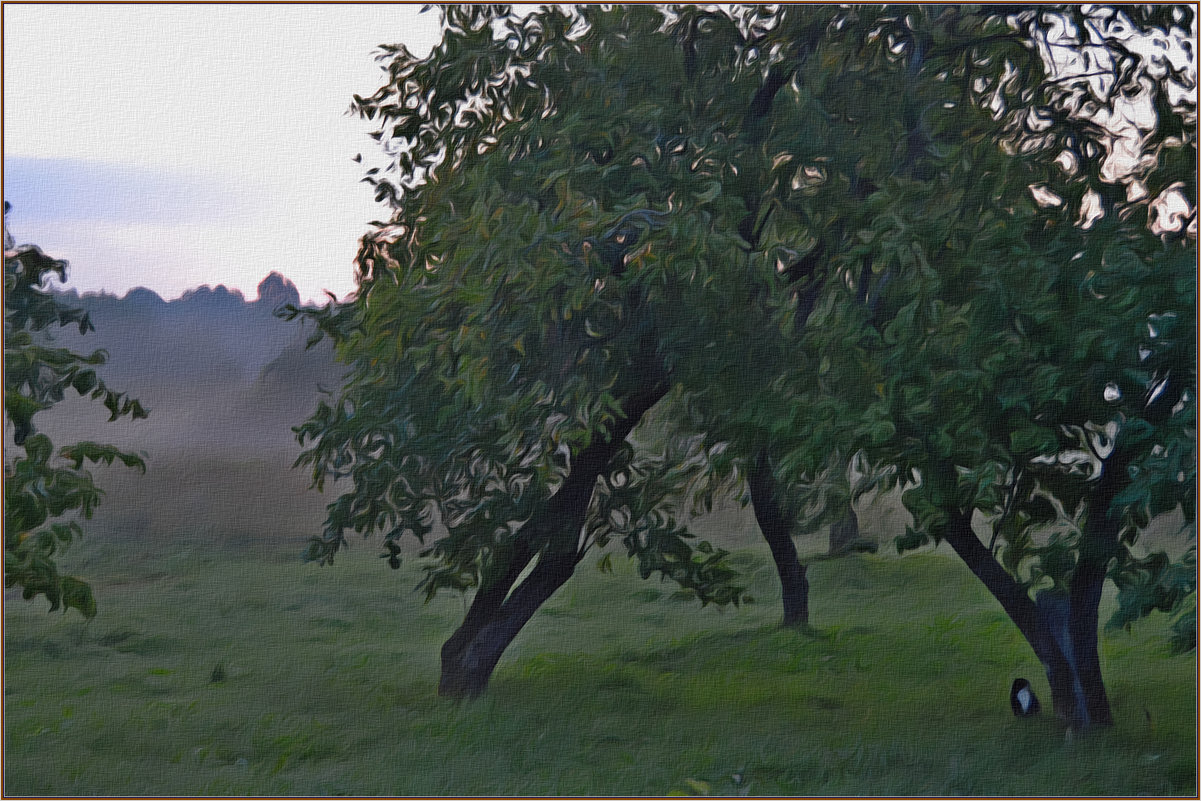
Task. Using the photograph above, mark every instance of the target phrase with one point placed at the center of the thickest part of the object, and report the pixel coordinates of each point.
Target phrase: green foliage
(40, 487)
(531, 282)
(1157, 583)
(817, 225)
(1184, 630)
(583, 200)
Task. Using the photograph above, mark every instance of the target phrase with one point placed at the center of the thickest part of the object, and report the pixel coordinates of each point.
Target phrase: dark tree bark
(1099, 546)
(844, 533)
(845, 536)
(500, 609)
(1085, 598)
(471, 654)
(1035, 621)
(777, 530)
(1054, 649)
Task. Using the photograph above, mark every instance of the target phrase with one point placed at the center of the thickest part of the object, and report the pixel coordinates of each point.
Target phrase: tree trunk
(470, 655)
(1038, 623)
(1064, 628)
(500, 610)
(1054, 650)
(845, 536)
(777, 530)
(1099, 545)
(1085, 594)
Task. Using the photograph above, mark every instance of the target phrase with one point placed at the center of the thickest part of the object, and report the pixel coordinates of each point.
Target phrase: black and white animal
(1022, 699)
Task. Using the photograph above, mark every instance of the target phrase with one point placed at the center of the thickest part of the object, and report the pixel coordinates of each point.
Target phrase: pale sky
(170, 146)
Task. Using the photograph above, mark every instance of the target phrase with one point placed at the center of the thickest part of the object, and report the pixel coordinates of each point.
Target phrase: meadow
(222, 665)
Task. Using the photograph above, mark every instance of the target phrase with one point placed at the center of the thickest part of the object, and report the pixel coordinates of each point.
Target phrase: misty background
(224, 381)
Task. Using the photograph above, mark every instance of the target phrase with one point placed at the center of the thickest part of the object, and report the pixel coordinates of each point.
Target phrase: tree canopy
(823, 233)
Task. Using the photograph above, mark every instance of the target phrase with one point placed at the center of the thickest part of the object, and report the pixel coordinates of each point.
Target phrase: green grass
(327, 686)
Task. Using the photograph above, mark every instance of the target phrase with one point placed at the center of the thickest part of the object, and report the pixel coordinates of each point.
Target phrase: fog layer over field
(224, 381)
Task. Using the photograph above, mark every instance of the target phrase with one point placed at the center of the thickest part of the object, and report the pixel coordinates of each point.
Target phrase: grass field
(239, 670)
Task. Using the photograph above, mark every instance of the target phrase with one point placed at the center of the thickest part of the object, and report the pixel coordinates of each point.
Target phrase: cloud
(213, 88)
(74, 191)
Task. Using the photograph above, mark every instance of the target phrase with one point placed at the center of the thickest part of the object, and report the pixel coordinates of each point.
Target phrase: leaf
(102, 454)
(1184, 633)
(38, 448)
(78, 595)
(712, 190)
(911, 540)
(1033, 441)
(84, 381)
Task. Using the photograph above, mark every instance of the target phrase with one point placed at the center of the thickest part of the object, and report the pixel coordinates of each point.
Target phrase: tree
(519, 371)
(1021, 361)
(961, 339)
(42, 489)
(597, 251)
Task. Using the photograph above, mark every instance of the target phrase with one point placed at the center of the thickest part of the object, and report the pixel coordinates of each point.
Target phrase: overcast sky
(170, 146)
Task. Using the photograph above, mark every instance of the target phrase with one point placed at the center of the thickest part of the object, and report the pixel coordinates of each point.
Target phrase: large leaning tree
(565, 294)
(47, 491)
(515, 320)
(599, 210)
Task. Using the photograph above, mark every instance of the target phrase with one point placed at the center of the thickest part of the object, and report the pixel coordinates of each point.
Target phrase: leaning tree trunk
(471, 654)
(777, 530)
(500, 609)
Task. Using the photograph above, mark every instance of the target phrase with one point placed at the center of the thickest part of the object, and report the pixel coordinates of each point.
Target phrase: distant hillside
(214, 369)
(224, 381)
